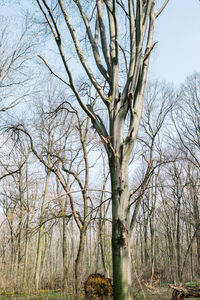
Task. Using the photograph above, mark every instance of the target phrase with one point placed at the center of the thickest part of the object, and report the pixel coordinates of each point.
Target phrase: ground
(162, 292)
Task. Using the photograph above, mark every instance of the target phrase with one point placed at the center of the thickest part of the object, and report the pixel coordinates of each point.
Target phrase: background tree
(187, 128)
(63, 147)
(15, 57)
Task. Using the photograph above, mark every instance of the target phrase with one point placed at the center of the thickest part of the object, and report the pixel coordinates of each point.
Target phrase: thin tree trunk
(72, 253)
(79, 261)
(197, 227)
(41, 234)
(146, 254)
(64, 252)
(103, 258)
(102, 216)
(18, 248)
(178, 249)
(26, 233)
(19, 232)
(141, 245)
(152, 223)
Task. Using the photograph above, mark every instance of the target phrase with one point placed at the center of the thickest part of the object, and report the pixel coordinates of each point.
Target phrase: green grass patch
(41, 295)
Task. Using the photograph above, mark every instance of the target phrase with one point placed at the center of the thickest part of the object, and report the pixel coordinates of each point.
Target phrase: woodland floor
(43, 295)
(158, 293)
(146, 294)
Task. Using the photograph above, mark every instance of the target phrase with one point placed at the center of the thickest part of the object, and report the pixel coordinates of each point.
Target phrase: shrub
(97, 286)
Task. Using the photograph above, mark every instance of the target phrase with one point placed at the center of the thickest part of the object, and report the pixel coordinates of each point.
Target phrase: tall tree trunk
(120, 232)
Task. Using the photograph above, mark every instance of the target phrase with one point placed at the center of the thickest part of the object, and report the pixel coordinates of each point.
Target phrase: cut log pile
(182, 292)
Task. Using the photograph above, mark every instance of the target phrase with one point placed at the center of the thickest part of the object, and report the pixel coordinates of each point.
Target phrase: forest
(99, 163)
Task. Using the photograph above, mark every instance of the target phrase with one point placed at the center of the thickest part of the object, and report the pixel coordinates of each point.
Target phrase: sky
(177, 31)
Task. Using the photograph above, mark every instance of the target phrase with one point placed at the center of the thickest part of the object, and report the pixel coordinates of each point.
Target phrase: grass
(152, 293)
(41, 295)
(160, 292)
(147, 294)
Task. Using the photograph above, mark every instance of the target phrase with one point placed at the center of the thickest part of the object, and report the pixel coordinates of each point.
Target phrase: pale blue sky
(177, 53)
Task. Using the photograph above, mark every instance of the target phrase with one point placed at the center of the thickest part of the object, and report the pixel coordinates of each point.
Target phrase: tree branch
(52, 72)
(80, 53)
(162, 8)
(92, 42)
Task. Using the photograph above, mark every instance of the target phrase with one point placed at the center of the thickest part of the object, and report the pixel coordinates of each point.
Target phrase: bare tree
(151, 159)
(122, 96)
(15, 55)
(187, 126)
(62, 147)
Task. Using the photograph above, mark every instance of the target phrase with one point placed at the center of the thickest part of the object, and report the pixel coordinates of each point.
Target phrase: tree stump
(182, 292)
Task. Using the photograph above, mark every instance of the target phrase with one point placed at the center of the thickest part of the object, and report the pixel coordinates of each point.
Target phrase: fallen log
(182, 292)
